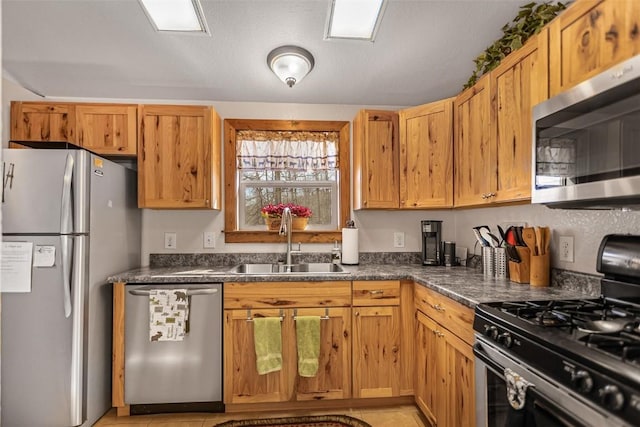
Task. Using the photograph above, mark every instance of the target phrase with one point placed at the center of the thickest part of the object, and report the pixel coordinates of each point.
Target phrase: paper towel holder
(350, 255)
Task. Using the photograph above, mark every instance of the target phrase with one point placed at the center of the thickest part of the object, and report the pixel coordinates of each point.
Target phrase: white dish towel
(168, 314)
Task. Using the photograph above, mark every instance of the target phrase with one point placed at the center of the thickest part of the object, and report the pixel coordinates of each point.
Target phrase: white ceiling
(424, 51)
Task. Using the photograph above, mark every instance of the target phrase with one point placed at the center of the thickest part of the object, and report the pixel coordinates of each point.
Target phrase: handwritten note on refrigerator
(15, 267)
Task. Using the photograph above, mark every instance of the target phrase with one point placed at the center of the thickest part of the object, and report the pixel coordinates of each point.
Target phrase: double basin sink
(305, 268)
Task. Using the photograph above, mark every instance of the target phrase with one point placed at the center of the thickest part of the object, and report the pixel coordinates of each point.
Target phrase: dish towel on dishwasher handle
(168, 314)
(308, 341)
(267, 338)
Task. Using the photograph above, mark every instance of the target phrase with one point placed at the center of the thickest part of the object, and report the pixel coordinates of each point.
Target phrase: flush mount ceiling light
(175, 15)
(354, 19)
(290, 63)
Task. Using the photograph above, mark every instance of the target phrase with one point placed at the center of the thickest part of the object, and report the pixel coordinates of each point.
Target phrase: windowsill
(254, 236)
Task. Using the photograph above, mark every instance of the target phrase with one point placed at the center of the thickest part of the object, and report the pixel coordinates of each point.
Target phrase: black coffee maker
(431, 242)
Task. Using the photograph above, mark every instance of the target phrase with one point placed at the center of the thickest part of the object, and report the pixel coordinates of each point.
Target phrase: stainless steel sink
(310, 268)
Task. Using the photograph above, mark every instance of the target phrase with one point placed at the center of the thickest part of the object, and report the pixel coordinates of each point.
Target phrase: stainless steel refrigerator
(56, 338)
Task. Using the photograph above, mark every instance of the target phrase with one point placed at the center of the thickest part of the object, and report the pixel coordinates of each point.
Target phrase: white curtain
(280, 150)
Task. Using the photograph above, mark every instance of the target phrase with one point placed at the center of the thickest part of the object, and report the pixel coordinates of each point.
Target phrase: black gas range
(565, 362)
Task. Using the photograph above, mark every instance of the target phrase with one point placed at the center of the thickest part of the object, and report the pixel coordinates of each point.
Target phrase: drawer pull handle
(437, 307)
(376, 292)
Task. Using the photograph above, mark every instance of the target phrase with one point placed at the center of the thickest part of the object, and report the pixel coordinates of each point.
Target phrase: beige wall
(376, 227)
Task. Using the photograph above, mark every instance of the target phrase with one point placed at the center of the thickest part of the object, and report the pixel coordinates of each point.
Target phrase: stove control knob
(505, 339)
(582, 381)
(491, 332)
(611, 397)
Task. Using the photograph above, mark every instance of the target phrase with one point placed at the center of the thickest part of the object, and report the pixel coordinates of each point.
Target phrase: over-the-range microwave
(586, 143)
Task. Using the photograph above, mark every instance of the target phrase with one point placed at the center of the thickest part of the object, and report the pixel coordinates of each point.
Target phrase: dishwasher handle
(190, 292)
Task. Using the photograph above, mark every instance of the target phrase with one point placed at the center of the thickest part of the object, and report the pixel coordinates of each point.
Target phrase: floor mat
(307, 421)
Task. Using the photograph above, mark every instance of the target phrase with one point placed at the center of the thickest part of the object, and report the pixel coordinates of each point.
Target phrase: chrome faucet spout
(285, 228)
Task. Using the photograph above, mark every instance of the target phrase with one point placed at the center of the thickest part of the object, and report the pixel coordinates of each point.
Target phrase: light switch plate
(209, 239)
(398, 239)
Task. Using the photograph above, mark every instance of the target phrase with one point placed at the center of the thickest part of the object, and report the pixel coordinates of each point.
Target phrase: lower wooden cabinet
(444, 369)
(376, 339)
(243, 384)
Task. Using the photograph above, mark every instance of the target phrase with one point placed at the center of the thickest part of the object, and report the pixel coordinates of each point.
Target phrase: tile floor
(396, 416)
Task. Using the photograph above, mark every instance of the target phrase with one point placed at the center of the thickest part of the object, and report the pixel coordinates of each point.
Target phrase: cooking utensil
(490, 238)
(608, 326)
(518, 235)
(510, 236)
(503, 236)
(547, 239)
(539, 242)
(476, 232)
(529, 237)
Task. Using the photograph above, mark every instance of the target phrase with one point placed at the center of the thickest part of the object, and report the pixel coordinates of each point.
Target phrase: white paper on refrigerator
(16, 266)
(44, 256)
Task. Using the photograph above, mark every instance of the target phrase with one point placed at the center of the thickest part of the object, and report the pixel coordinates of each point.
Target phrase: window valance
(290, 150)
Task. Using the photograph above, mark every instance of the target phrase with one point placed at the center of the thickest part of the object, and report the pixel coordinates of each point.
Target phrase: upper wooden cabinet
(375, 160)
(426, 155)
(43, 121)
(589, 37)
(178, 157)
(493, 128)
(517, 84)
(108, 129)
(475, 164)
(404, 160)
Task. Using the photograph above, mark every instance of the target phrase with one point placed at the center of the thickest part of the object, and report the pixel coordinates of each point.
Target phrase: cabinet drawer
(451, 314)
(287, 294)
(376, 293)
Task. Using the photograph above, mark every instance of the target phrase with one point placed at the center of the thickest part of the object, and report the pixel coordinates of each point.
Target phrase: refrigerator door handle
(66, 215)
(66, 246)
(78, 278)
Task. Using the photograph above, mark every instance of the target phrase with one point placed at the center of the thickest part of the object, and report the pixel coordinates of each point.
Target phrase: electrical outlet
(170, 241)
(398, 239)
(565, 244)
(209, 239)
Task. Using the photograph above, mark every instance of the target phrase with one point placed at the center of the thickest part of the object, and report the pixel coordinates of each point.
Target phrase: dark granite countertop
(465, 285)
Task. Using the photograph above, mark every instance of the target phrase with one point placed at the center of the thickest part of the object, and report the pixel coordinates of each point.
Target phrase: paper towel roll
(350, 246)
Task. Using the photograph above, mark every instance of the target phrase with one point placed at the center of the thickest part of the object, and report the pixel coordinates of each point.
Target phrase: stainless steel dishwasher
(174, 376)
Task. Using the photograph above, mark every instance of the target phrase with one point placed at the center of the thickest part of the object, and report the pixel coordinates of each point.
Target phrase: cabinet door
(178, 157)
(107, 128)
(518, 83)
(375, 157)
(42, 121)
(242, 383)
(589, 37)
(426, 155)
(474, 154)
(376, 351)
(333, 380)
(429, 380)
(459, 379)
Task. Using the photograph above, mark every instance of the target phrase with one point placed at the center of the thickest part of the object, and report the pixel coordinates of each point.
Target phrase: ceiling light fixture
(290, 63)
(354, 19)
(175, 15)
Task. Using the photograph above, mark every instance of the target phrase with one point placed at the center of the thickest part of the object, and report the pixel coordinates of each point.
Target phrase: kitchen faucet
(285, 228)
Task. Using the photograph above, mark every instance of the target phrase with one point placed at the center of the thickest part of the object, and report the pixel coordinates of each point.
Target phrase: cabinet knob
(357, 313)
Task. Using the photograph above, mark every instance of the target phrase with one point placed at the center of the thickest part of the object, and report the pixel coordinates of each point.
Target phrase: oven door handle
(484, 358)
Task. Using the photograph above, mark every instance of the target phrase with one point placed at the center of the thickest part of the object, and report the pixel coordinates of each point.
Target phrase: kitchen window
(278, 161)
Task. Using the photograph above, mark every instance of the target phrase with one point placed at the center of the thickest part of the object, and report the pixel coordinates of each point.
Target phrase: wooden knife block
(519, 272)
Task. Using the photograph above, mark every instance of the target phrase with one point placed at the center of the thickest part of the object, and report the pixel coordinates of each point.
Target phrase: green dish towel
(267, 337)
(308, 340)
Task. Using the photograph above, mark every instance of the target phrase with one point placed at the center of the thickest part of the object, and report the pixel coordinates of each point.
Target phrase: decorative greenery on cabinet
(529, 21)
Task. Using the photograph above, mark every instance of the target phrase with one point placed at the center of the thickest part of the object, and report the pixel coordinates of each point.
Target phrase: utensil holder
(519, 272)
(488, 262)
(540, 270)
(501, 266)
